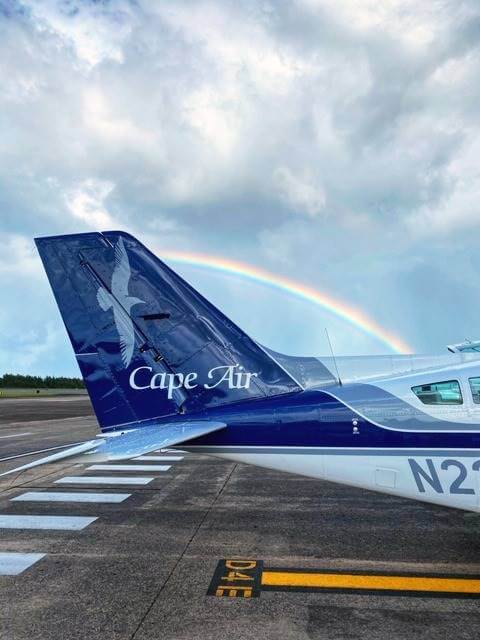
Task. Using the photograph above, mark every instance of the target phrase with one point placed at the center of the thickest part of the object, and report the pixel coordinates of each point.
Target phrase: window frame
(472, 395)
(440, 404)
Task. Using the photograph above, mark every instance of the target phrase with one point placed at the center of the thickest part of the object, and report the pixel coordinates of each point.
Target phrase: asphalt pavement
(97, 554)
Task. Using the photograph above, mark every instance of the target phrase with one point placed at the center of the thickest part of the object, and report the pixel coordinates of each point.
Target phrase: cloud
(300, 193)
(32, 337)
(18, 257)
(458, 209)
(94, 33)
(328, 141)
(87, 202)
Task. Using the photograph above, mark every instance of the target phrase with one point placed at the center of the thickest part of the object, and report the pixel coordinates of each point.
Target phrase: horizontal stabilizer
(129, 444)
(145, 439)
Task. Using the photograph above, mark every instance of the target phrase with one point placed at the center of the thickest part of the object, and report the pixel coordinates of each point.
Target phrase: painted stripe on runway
(16, 435)
(12, 563)
(159, 458)
(80, 496)
(60, 523)
(128, 467)
(103, 480)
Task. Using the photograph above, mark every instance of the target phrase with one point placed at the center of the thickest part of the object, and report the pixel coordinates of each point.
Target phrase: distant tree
(19, 381)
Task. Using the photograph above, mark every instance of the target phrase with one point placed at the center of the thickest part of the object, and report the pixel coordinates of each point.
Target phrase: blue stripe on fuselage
(316, 419)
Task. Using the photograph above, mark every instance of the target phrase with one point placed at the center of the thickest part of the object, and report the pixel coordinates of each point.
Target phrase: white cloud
(414, 24)
(184, 105)
(104, 124)
(18, 257)
(215, 118)
(459, 209)
(301, 193)
(94, 33)
(316, 137)
(86, 202)
(32, 338)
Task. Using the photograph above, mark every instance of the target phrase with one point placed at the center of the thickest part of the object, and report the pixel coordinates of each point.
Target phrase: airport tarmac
(172, 552)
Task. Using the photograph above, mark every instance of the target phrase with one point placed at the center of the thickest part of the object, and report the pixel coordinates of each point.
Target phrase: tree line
(18, 381)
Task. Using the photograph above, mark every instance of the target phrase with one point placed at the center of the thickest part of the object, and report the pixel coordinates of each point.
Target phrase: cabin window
(475, 388)
(440, 392)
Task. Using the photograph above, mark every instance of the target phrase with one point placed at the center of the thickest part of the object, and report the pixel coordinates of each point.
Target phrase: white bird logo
(121, 302)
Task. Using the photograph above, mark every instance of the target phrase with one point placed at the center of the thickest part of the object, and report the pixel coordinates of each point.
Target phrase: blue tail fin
(147, 343)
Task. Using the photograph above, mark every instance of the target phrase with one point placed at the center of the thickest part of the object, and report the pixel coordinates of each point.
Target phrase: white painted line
(80, 496)
(60, 523)
(128, 467)
(12, 564)
(159, 458)
(16, 435)
(103, 480)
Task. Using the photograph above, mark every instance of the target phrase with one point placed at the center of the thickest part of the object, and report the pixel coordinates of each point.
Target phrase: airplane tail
(148, 345)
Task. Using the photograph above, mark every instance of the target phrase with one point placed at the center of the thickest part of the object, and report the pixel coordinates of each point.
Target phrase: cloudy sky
(336, 143)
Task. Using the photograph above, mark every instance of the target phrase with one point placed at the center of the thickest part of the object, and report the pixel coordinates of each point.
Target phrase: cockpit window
(440, 392)
(475, 387)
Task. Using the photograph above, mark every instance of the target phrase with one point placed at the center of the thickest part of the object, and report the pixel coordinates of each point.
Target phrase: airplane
(165, 368)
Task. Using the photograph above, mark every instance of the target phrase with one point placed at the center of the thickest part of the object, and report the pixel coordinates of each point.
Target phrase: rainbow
(255, 274)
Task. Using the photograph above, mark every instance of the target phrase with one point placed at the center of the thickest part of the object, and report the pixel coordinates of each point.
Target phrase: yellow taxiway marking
(350, 581)
(248, 577)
